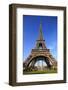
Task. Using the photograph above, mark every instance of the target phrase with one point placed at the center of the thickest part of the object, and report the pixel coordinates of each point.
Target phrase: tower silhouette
(40, 52)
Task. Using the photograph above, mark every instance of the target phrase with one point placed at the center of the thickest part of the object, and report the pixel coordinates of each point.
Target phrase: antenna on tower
(40, 31)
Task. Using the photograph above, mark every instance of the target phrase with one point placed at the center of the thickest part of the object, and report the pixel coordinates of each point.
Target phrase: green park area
(40, 71)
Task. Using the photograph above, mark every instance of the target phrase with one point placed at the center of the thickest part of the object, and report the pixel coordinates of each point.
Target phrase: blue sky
(31, 26)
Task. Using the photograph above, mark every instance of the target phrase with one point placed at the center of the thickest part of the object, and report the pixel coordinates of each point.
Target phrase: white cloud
(53, 49)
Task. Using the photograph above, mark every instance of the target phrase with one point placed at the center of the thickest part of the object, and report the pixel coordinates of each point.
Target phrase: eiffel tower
(40, 52)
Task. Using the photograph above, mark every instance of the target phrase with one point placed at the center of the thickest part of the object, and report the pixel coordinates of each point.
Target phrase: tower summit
(40, 32)
(40, 44)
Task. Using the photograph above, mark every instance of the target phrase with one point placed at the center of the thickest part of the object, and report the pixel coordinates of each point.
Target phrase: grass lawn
(40, 72)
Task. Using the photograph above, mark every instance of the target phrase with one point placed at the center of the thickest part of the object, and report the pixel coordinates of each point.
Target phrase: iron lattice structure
(40, 52)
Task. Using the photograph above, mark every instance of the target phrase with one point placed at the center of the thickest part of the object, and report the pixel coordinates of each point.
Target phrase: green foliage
(41, 71)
